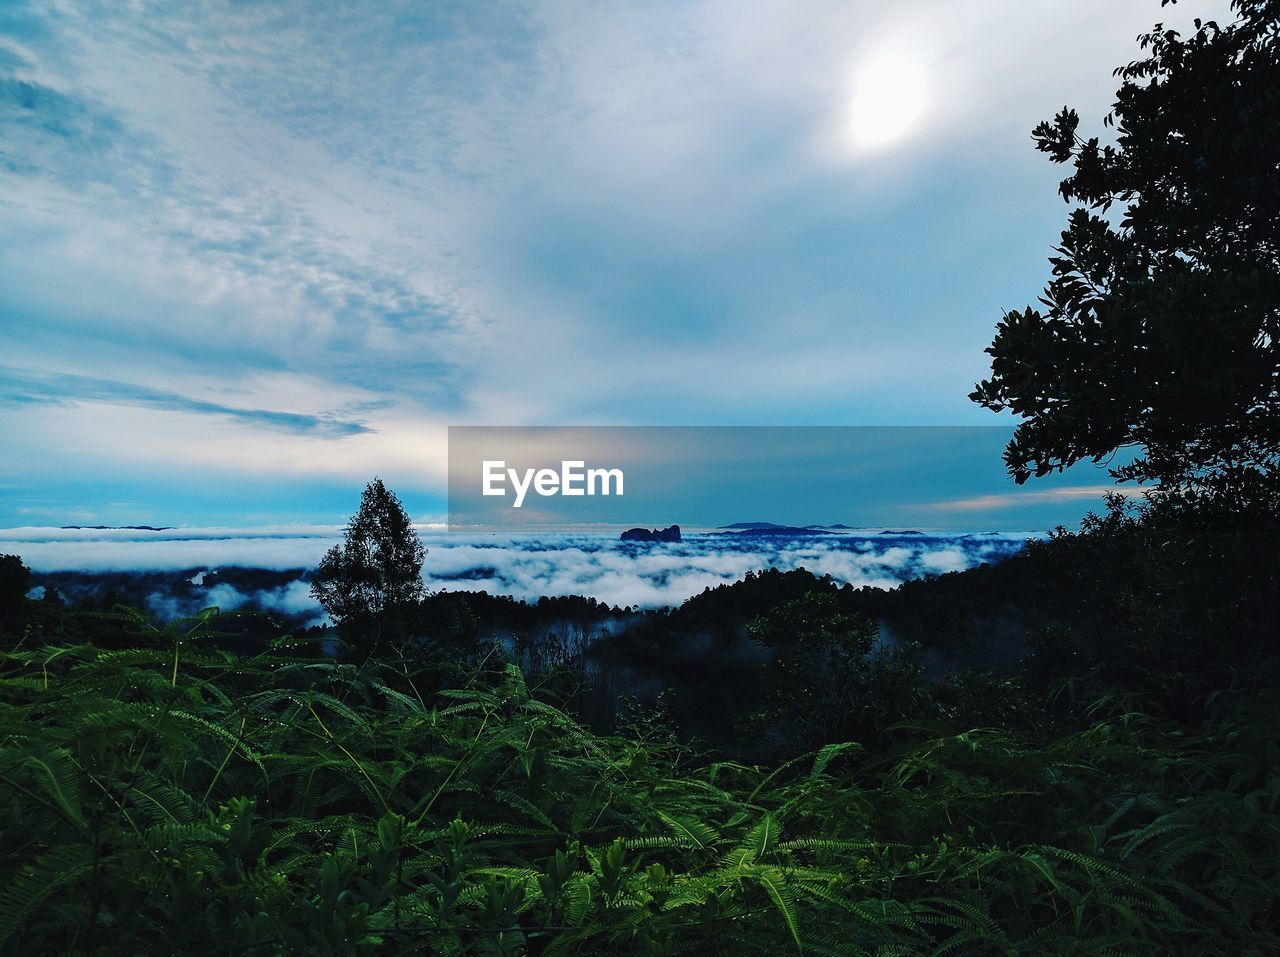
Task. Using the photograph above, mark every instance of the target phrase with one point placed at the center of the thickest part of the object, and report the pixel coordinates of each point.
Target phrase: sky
(255, 253)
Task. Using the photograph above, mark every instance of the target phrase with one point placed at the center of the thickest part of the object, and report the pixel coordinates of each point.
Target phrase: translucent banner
(653, 478)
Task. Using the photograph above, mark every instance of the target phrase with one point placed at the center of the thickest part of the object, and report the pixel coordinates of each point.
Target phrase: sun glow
(889, 97)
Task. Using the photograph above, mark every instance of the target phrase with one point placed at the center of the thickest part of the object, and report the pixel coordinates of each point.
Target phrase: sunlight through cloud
(890, 95)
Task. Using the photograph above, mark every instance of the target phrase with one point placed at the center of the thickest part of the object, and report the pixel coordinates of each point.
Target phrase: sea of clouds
(597, 564)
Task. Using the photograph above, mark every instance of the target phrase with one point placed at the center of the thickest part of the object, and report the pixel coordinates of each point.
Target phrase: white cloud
(1023, 497)
(121, 549)
(526, 567)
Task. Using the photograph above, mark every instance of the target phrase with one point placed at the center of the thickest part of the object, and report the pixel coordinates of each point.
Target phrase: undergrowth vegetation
(170, 797)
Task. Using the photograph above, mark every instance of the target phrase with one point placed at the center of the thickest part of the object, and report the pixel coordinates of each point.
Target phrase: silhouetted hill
(669, 534)
(781, 531)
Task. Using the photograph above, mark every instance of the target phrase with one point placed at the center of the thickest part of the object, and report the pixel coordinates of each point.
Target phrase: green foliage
(369, 583)
(1161, 325)
(1161, 600)
(169, 798)
(823, 677)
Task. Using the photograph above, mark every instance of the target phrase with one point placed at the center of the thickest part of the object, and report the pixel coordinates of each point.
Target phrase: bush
(173, 799)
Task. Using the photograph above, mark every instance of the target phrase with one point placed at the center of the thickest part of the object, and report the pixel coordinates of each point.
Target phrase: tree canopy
(368, 581)
(1160, 327)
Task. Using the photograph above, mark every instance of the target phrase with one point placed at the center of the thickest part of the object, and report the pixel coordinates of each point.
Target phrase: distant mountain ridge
(773, 527)
(118, 528)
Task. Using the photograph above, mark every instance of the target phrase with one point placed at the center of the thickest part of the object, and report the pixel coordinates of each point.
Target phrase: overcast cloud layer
(256, 252)
(595, 565)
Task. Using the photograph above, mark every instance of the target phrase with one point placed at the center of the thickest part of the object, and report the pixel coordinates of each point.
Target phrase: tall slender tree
(15, 579)
(371, 581)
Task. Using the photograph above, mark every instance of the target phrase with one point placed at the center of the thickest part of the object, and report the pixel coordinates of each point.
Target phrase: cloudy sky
(256, 252)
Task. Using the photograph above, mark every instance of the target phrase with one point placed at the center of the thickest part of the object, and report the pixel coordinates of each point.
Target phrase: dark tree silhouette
(371, 582)
(15, 579)
(1160, 329)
